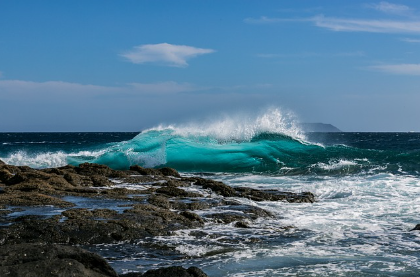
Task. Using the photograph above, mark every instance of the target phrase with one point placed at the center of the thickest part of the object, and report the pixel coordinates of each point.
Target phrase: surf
(266, 143)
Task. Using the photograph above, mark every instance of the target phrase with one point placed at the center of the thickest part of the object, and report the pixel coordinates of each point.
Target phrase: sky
(103, 65)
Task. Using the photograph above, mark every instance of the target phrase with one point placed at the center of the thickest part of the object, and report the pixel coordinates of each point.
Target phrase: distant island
(318, 127)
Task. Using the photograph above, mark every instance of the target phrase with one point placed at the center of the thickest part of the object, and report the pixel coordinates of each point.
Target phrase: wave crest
(239, 127)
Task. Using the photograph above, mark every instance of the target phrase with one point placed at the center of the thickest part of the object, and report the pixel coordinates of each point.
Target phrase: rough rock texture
(173, 271)
(416, 228)
(164, 202)
(82, 226)
(39, 259)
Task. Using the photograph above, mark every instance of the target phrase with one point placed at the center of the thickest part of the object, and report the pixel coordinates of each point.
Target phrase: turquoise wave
(262, 152)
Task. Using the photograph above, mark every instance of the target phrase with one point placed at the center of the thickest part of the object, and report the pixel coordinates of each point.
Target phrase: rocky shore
(149, 203)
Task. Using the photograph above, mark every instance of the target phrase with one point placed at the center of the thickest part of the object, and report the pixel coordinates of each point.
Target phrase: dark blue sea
(367, 187)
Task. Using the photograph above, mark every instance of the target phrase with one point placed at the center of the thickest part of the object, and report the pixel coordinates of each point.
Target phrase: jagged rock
(167, 171)
(31, 186)
(38, 259)
(85, 213)
(241, 224)
(416, 228)
(100, 181)
(192, 216)
(217, 187)
(28, 176)
(20, 198)
(160, 201)
(77, 180)
(177, 192)
(89, 169)
(158, 209)
(272, 195)
(145, 171)
(5, 175)
(173, 271)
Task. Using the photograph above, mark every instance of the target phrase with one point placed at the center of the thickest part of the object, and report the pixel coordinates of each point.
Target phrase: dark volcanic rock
(160, 201)
(5, 175)
(192, 216)
(163, 204)
(89, 169)
(145, 171)
(272, 195)
(83, 226)
(31, 199)
(173, 271)
(177, 192)
(241, 224)
(51, 260)
(100, 181)
(167, 171)
(416, 228)
(217, 187)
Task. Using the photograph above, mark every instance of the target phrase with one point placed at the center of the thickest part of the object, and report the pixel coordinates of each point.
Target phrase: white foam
(47, 159)
(240, 127)
(335, 164)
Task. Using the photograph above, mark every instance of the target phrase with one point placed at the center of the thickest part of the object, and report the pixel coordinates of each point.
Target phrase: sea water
(367, 188)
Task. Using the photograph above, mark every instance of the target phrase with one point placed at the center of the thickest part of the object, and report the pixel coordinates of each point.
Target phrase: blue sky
(130, 65)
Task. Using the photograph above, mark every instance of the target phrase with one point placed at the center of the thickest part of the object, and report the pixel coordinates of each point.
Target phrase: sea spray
(367, 188)
(268, 143)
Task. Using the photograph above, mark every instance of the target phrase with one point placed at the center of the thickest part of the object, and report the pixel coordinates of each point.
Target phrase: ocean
(367, 188)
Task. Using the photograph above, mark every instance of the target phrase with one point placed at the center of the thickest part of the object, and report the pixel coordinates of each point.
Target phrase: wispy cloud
(390, 8)
(410, 40)
(312, 54)
(367, 25)
(50, 86)
(164, 87)
(349, 24)
(59, 87)
(400, 69)
(268, 20)
(409, 21)
(164, 54)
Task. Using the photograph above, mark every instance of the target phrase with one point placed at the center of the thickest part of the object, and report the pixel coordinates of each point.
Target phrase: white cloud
(390, 8)
(164, 53)
(400, 69)
(367, 25)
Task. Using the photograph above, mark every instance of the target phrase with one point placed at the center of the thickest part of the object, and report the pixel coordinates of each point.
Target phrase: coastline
(162, 202)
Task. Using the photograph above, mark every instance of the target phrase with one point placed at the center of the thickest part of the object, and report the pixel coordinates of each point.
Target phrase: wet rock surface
(37, 259)
(416, 228)
(174, 271)
(161, 203)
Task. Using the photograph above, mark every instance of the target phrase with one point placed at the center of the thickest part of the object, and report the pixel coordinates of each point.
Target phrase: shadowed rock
(416, 228)
(167, 171)
(39, 259)
(173, 271)
(217, 187)
(145, 171)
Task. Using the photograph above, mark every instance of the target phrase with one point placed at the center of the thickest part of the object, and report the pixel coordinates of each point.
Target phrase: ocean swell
(270, 143)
